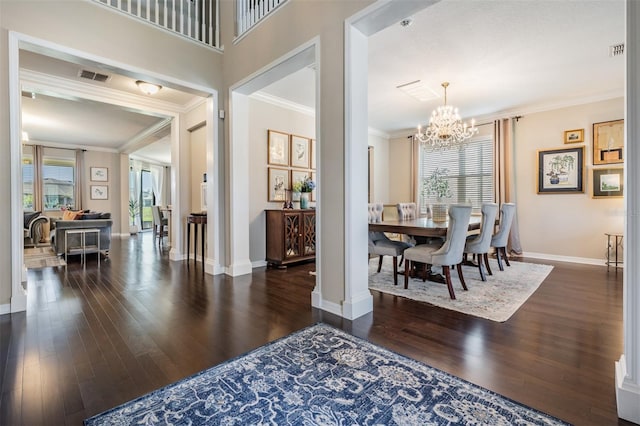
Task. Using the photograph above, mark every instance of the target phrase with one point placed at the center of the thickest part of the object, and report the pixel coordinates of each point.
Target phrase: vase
(439, 212)
(304, 200)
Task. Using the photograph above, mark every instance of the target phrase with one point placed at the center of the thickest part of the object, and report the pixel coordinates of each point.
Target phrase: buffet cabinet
(291, 236)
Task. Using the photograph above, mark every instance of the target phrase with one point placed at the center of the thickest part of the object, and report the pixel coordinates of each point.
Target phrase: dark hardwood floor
(94, 338)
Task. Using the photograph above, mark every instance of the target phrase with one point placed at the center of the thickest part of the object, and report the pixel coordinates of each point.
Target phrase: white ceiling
(501, 57)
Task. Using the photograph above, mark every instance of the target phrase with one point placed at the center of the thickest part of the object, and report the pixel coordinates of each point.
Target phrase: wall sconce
(148, 88)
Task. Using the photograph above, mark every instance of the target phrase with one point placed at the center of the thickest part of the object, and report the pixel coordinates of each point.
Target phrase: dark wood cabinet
(291, 236)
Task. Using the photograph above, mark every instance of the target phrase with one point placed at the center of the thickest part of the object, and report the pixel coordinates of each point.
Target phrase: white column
(628, 367)
(358, 300)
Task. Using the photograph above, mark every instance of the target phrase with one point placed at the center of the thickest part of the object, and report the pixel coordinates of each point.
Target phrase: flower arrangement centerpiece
(437, 184)
(304, 187)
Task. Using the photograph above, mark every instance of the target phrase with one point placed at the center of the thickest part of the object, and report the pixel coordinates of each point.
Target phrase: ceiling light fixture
(445, 130)
(148, 88)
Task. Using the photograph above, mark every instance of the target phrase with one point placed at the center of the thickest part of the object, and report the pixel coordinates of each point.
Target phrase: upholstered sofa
(73, 239)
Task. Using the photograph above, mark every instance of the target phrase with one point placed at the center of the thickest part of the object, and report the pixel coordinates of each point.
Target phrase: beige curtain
(80, 179)
(38, 189)
(505, 176)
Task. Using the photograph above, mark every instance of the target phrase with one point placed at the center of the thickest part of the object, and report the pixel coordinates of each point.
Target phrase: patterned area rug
(321, 375)
(41, 257)
(496, 299)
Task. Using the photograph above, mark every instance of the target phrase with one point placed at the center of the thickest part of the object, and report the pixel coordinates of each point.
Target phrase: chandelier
(445, 130)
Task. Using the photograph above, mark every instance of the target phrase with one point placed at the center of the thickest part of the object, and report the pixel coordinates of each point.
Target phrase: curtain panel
(505, 176)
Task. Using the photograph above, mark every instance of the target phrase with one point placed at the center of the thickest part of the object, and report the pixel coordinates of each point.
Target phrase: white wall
(381, 167)
(264, 116)
(571, 225)
(112, 162)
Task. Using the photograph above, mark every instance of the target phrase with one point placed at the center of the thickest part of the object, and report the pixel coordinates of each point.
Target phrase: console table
(83, 248)
(197, 220)
(291, 236)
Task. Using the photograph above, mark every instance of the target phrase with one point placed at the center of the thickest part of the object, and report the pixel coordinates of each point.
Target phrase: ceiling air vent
(95, 76)
(418, 90)
(616, 50)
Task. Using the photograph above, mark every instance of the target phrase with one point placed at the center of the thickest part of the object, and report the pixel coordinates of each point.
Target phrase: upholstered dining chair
(480, 244)
(450, 253)
(159, 223)
(500, 239)
(407, 211)
(381, 245)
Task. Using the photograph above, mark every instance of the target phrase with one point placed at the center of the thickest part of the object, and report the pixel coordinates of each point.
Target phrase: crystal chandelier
(445, 130)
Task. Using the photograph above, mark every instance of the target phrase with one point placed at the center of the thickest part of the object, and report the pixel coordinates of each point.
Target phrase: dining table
(425, 228)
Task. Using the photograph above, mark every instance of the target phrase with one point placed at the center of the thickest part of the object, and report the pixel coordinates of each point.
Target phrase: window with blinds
(470, 173)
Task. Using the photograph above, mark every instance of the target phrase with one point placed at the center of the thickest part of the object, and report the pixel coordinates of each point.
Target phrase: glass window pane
(58, 180)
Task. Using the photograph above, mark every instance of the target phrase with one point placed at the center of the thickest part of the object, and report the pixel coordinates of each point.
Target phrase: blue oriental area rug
(322, 376)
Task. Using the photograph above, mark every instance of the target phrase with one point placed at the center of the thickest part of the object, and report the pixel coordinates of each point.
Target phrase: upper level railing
(195, 19)
(250, 12)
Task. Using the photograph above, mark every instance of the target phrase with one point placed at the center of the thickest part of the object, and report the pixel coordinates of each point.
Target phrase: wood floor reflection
(94, 338)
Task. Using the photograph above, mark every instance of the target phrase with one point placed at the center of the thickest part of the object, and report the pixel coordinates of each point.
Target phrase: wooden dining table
(422, 227)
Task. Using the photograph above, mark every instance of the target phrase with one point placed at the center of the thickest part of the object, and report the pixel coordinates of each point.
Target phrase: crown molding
(49, 144)
(283, 103)
(378, 133)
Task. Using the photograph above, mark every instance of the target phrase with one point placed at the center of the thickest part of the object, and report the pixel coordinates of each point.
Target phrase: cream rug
(41, 257)
(496, 299)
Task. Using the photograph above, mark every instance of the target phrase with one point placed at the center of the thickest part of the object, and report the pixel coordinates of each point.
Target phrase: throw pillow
(105, 216)
(70, 215)
(89, 216)
(28, 217)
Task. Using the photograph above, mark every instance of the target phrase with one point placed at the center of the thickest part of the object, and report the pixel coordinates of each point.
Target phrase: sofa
(101, 221)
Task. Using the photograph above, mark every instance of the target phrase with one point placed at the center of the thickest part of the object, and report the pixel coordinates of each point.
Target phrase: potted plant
(133, 213)
(437, 185)
(306, 186)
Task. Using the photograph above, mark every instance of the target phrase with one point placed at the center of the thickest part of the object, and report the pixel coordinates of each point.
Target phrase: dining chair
(159, 223)
(480, 244)
(450, 253)
(407, 211)
(500, 239)
(381, 245)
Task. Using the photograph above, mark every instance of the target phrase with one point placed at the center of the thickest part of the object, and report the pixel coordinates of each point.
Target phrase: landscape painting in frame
(608, 183)
(561, 170)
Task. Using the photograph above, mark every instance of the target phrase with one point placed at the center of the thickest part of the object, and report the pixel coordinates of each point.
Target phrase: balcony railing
(195, 19)
(250, 12)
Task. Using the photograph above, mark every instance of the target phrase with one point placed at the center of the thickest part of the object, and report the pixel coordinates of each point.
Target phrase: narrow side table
(82, 248)
(617, 241)
(197, 220)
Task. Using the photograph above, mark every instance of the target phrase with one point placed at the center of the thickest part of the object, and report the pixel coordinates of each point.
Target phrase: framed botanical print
(99, 174)
(99, 192)
(277, 148)
(300, 152)
(313, 154)
(608, 183)
(279, 184)
(608, 142)
(561, 170)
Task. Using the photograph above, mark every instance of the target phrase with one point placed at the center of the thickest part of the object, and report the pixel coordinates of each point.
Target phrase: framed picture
(608, 183)
(300, 152)
(313, 154)
(278, 148)
(278, 184)
(574, 136)
(608, 142)
(99, 192)
(99, 174)
(299, 176)
(561, 170)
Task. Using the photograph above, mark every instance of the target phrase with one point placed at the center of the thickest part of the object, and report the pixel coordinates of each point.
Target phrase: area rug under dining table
(496, 299)
(322, 375)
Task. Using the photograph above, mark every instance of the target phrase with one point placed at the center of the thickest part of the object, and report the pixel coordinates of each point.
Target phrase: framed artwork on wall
(608, 142)
(313, 154)
(574, 136)
(300, 152)
(277, 148)
(279, 184)
(299, 176)
(561, 170)
(99, 192)
(608, 183)
(99, 174)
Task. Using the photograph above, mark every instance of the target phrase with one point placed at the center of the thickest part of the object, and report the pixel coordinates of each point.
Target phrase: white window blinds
(470, 173)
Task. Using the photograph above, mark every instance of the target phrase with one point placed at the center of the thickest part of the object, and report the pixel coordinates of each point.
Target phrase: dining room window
(469, 172)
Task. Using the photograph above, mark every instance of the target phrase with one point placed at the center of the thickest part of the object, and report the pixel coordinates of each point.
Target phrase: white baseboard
(627, 395)
(259, 264)
(358, 307)
(325, 305)
(558, 258)
(5, 309)
(239, 268)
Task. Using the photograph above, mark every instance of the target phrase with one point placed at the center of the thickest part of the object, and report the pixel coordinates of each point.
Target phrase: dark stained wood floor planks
(94, 338)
